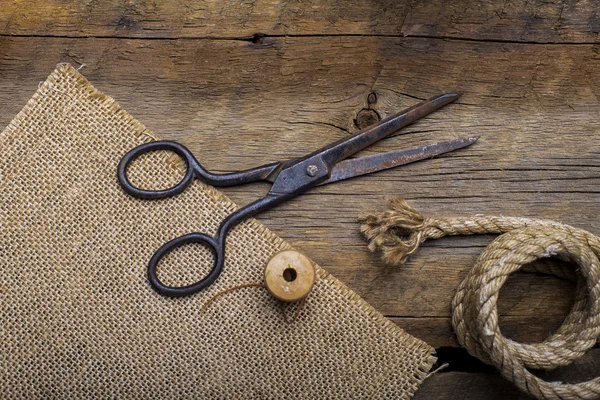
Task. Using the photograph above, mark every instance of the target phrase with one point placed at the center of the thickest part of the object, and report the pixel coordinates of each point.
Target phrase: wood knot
(366, 117)
(126, 22)
(372, 98)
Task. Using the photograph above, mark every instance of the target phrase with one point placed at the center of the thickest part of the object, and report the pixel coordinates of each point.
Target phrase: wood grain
(266, 80)
(437, 331)
(237, 105)
(512, 20)
(491, 386)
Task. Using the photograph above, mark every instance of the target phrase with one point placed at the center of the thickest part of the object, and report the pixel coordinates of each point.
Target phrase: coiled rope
(398, 233)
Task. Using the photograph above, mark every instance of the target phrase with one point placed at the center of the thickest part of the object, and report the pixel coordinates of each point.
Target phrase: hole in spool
(290, 274)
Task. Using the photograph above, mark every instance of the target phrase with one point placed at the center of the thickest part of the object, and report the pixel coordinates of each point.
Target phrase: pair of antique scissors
(289, 179)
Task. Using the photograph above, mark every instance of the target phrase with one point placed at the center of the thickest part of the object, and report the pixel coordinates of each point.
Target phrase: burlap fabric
(79, 318)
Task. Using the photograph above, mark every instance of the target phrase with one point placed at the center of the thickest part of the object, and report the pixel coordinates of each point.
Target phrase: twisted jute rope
(399, 231)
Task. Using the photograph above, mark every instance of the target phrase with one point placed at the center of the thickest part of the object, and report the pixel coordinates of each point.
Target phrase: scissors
(289, 179)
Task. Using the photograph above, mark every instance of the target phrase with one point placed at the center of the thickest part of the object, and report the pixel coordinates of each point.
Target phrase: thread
(399, 231)
(245, 285)
(229, 290)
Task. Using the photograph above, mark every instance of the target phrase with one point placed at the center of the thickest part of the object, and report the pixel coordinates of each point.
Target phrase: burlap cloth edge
(323, 275)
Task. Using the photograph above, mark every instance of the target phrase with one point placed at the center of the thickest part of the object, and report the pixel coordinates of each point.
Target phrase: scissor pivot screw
(312, 170)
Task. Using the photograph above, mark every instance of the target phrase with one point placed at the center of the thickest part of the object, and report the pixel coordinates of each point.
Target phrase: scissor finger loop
(179, 291)
(179, 149)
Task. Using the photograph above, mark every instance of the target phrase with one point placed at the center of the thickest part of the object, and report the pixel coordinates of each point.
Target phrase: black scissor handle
(174, 291)
(195, 170)
(179, 149)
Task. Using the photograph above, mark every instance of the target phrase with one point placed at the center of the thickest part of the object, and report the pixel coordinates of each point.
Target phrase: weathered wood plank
(237, 104)
(468, 386)
(491, 386)
(512, 20)
(437, 331)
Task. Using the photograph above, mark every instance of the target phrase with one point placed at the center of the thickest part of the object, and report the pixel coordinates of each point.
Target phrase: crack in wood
(257, 39)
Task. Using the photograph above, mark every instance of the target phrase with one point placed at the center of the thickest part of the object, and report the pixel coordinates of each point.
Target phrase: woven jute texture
(79, 318)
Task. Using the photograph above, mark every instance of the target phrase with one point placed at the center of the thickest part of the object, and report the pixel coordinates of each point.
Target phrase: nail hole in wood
(257, 38)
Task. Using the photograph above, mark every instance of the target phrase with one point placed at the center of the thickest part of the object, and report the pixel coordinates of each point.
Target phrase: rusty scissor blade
(365, 165)
(335, 152)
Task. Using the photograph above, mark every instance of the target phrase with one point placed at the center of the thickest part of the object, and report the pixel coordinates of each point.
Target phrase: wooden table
(246, 83)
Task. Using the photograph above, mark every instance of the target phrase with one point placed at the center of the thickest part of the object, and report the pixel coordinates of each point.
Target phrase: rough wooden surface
(553, 21)
(489, 385)
(269, 80)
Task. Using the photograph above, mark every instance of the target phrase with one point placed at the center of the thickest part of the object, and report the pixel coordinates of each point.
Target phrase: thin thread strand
(245, 285)
(229, 290)
(296, 314)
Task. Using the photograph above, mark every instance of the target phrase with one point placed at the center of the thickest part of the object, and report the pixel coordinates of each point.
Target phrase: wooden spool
(289, 275)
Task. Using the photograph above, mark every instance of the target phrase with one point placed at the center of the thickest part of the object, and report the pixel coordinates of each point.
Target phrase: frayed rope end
(397, 232)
